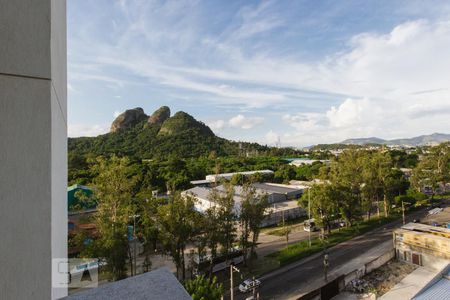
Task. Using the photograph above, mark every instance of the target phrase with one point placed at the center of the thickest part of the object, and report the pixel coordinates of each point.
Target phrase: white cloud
(401, 83)
(353, 112)
(217, 125)
(272, 137)
(243, 122)
(237, 122)
(305, 121)
(116, 113)
(256, 20)
(78, 130)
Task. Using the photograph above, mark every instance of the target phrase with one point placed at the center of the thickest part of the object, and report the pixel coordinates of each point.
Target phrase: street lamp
(255, 294)
(232, 269)
(309, 215)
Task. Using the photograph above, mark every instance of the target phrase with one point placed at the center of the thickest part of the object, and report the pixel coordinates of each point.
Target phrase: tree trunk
(183, 265)
(378, 207)
(385, 206)
(130, 258)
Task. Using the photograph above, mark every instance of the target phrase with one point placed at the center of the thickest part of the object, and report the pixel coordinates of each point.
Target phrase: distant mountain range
(421, 140)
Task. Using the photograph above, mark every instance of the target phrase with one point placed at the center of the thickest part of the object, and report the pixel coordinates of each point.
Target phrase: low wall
(355, 274)
(369, 267)
(378, 262)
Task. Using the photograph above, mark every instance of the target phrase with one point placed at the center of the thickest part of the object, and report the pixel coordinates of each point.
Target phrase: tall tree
(324, 204)
(177, 223)
(252, 214)
(433, 169)
(226, 214)
(113, 188)
(371, 188)
(346, 177)
(212, 233)
(382, 166)
(148, 227)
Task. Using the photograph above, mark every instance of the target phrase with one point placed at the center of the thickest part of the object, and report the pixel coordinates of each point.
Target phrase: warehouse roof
(272, 188)
(438, 290)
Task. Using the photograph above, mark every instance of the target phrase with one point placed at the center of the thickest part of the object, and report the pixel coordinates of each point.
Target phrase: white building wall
(33, 149)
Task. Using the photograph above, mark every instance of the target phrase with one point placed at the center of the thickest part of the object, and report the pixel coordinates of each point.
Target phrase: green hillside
(181, 135)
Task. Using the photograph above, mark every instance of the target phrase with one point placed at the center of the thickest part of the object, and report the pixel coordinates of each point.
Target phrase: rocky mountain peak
(128, 119)
(160, 115)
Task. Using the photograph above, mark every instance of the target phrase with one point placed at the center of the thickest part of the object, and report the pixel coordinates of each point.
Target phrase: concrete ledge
(158, 284)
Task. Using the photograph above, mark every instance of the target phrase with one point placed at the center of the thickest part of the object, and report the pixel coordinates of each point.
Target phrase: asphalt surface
(298, 277)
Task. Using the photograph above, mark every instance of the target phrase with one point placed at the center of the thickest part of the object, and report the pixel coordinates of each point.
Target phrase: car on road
(248, 285)
(310, 225)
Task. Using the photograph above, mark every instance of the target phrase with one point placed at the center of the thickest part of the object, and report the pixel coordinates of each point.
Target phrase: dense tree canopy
(433, 170)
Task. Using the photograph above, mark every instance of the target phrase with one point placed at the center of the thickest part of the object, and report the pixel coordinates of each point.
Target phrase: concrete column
(33, 146)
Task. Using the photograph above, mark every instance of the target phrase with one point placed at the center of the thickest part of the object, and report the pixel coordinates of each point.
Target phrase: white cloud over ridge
(79, 130)
(238, 122)
(217, 125)
(243, 122)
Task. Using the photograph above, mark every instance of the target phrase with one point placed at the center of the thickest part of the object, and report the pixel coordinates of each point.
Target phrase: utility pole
(232, 268)
(403, 213)
(254, 288)
(134, 243)
(286, 233)
(309, 215)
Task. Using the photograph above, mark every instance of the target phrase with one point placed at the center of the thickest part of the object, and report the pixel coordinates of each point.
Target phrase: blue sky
(305, 72)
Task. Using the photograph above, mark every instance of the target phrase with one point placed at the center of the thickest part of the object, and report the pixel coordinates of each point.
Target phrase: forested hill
(158, 136)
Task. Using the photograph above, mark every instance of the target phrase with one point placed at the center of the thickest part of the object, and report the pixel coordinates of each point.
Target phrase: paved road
(298, 277)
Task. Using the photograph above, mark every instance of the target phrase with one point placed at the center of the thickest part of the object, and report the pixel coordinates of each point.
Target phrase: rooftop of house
(426, 229)
(437, 289)
(157, 284)
(78, 186)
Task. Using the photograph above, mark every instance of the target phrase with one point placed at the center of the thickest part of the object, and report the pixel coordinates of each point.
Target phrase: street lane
(298, 277)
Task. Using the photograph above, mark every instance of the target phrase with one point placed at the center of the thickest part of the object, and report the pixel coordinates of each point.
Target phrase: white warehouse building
(282, 200)
(214, 178)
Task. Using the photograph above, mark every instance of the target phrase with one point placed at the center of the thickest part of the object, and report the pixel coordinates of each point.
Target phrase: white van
(310, 225)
